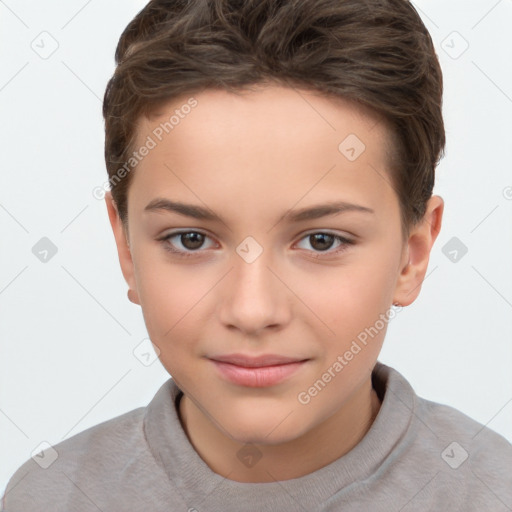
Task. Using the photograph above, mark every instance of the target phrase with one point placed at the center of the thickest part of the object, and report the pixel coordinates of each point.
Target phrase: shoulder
(448, 421)
(436, 423)
(103, 450)
(453, 461)
(469, 462)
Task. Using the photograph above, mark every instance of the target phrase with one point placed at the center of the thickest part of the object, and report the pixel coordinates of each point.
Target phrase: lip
(257, 372)
(255, 361)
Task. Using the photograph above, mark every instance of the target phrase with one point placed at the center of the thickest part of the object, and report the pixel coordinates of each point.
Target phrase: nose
(254, 298)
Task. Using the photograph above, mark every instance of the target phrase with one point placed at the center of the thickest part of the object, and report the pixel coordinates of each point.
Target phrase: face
(290, 246)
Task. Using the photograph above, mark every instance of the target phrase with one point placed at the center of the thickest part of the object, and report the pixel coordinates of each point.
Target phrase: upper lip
(255, 362)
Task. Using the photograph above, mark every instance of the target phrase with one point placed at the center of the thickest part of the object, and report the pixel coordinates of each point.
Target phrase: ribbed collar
(198, 485)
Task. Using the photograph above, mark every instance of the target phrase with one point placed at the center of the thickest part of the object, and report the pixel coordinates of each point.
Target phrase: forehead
(272, 139)
(264, 106)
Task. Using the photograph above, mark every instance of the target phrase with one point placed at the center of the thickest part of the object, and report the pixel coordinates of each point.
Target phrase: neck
(318, 447)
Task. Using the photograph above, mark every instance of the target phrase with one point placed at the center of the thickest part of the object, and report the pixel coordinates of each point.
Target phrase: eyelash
(318, 254)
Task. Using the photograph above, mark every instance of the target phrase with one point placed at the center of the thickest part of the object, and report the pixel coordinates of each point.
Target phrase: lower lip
(261, 377)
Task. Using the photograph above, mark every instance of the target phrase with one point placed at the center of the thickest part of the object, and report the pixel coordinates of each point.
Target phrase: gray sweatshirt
(417, 456)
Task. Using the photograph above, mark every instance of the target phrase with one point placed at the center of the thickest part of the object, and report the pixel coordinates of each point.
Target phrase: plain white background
(67, 330)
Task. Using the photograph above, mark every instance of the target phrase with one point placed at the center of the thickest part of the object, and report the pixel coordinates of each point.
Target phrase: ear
(417, 253)
(123, 248)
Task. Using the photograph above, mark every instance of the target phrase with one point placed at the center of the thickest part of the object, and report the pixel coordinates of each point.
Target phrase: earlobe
(123, 248)
(419, 246)
(133, 297)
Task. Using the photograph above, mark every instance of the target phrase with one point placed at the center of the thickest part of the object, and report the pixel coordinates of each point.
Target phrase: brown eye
(321, 241)
(184, 243)
(192, 240)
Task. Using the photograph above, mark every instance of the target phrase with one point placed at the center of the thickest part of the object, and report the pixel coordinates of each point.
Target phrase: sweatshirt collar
(201, 487)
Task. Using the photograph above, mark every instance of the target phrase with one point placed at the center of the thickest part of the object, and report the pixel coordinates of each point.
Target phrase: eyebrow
(303, 214)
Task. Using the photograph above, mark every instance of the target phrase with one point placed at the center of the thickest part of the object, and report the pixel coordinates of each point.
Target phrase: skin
(251, 158)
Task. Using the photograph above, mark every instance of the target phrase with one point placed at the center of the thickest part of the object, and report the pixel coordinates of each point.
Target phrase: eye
(190, 242)
(322, 242)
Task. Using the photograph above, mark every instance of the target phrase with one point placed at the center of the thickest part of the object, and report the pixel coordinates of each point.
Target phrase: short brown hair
(377, 53)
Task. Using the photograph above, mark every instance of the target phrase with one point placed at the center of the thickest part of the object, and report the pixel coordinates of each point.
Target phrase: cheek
(355, 296)
(170, 309)
(170, 296)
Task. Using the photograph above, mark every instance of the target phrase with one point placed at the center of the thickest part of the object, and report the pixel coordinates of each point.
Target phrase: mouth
(257, 372)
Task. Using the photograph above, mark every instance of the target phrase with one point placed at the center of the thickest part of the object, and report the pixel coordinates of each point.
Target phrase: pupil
(195, 239)
(322, 238)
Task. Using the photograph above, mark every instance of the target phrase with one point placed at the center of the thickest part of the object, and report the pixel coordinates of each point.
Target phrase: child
(239, 134)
